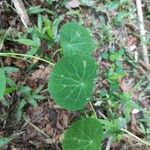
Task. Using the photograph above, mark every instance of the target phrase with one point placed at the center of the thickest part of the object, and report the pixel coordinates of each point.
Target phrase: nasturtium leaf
(85, 134)
(71, 81)
(75, 39)
(2, 82)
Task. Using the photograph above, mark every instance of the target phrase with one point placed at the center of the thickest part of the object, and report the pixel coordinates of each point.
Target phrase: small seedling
(28, 97)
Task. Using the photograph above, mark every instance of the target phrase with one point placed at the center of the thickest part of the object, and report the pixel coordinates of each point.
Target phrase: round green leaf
(3, 82)
(75, 39)
(85, 134)
(71, 81)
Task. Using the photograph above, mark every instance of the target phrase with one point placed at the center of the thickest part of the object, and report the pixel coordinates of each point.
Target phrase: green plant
(75, 39)
(71, 85)
(112, 128)
(114, 99)
(72, 79)
(11, 85)
(28, 96)
(3, 82)
(82, 135)
(125, 9)
(144, 126)
(4, 141)
(71, 82)
(45, 31)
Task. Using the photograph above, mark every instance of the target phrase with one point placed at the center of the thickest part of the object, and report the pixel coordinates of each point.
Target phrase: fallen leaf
(36, 114)
(132, 41)
(59, 126)
(126, 84)
(145, 103)
(42, 73)
(20, 64)
(65, 119)
(62, 120)
(8, 61)
(49, 130)
(72, 4)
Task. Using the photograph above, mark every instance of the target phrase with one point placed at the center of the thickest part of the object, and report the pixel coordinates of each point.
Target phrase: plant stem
(14, 55)
(94, 112)
(134, 136)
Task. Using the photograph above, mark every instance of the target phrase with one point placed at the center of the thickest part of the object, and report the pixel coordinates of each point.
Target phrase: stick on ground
(21, 10)
(142, 31)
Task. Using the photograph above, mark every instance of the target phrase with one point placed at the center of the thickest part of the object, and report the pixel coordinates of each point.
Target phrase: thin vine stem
(14, 55)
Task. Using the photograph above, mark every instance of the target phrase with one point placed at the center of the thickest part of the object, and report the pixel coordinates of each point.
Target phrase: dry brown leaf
(41, 73)
(59, 126)
(65, 119)
(132, 44)
(132, 41)
(36, 114)
(126, 84)
(8, 61)
(20, 64)
(145, 103)
(49, 130)
(72, 4)
(62, 120)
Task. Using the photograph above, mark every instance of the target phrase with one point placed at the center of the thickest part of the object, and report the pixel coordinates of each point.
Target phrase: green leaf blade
(4, 141)
(75, 39)
(71, 82)
(27, 42)
(85, 134)
(3, 82)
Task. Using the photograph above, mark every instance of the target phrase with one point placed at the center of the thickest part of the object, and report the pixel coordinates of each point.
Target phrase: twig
(21, 10)
(146, 66)
(109, 143)
(135, 137)
(142, 31)
(102, 115)
(36, 128)
(48, 140)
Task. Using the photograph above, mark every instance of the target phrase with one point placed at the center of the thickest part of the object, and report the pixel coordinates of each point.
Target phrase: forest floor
(40, 123)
